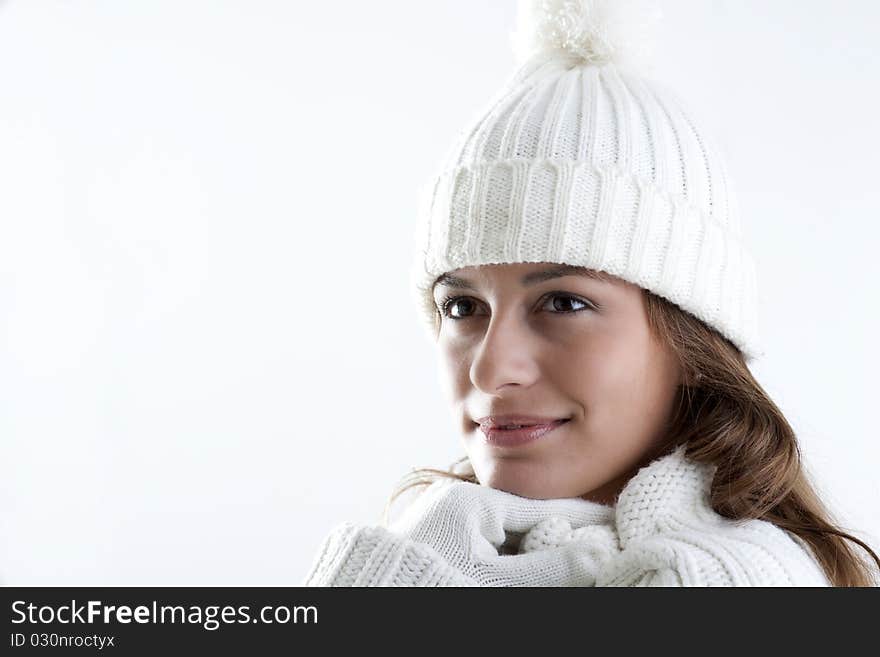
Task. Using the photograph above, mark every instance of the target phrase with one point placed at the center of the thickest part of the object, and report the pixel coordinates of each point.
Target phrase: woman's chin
(521, 478)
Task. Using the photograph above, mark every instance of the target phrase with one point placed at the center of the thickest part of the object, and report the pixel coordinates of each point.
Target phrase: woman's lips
(516, 437)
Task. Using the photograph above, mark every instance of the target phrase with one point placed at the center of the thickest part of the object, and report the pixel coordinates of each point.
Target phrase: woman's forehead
(529, 274)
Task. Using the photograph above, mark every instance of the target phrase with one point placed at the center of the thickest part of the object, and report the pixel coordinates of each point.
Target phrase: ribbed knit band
(356, 555)
(589, 167)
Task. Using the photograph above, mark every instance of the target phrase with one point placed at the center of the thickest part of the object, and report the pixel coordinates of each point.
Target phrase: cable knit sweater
(661, 532)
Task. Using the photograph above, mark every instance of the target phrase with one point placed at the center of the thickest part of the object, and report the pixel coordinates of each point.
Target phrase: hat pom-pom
(593, 32)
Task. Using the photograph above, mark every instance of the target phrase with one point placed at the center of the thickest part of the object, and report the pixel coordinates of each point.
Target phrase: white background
(209, 356)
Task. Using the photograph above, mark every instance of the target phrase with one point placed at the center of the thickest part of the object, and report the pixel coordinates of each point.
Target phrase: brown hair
(726, 418)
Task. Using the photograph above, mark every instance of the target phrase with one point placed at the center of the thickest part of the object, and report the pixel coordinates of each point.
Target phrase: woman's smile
(507, 437)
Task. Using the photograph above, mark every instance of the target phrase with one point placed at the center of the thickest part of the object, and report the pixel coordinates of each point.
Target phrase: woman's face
(560, 346)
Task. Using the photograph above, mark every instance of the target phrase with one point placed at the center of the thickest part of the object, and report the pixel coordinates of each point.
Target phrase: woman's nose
(504, 356)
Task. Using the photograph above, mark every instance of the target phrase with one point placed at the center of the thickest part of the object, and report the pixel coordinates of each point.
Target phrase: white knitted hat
(579, 160)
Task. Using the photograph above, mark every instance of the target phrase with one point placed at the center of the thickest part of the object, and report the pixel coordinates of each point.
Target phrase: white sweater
(661, 532)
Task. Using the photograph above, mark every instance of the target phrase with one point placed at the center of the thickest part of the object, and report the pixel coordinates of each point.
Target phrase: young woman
(582, 269)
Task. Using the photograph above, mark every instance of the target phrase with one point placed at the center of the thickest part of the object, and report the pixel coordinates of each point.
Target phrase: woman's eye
(451, 302)
(567, 300)
(557, 303)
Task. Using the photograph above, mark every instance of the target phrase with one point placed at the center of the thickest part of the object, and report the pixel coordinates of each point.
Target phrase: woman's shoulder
(718, 553)
(670, 535)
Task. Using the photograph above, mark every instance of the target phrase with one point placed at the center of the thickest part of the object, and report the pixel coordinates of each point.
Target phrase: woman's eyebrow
(532, 278)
